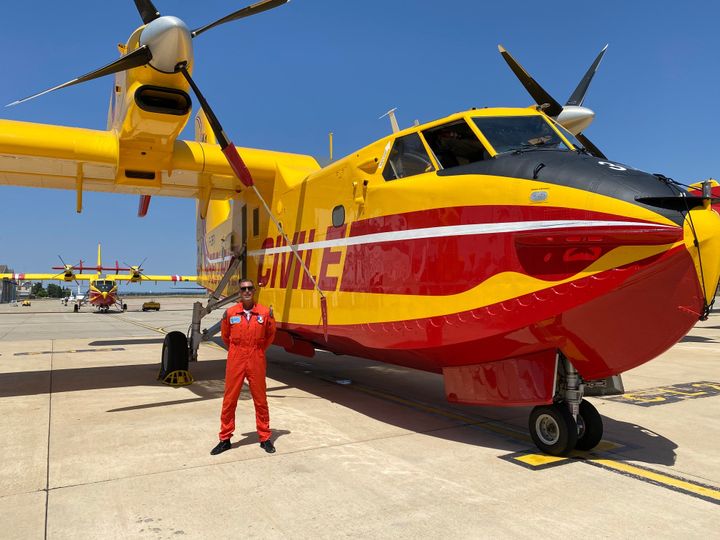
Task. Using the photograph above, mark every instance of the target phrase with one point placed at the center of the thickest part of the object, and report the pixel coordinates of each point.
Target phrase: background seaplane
(492, 246)
(102, 292)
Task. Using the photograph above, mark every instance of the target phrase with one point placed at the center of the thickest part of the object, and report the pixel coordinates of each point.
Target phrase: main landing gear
(179, 349)
(570, 422)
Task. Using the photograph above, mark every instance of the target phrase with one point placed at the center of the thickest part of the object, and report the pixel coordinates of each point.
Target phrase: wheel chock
(179, 377)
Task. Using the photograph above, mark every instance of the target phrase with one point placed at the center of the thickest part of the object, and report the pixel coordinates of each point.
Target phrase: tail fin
(203, 130)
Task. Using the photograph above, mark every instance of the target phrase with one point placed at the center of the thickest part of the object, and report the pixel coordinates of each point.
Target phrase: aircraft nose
(702, 239)
(104, 295)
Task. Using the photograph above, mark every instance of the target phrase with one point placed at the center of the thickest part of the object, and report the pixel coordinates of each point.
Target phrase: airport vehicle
(151, 305)
(496, 246)
(102, 292)
(26, 303)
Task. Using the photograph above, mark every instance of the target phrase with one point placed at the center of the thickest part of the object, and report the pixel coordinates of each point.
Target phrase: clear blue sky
(283, 79)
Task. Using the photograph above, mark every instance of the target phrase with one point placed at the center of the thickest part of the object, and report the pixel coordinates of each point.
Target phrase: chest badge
(234, 319)
(260, 319)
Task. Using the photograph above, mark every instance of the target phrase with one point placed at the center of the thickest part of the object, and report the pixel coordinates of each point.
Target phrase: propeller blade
(143, 205)
(254, 9)
(537, 92)
(594, 150)
(228, 148)
(147, 10)
(139, 57)
(578, 96)
(243, 173)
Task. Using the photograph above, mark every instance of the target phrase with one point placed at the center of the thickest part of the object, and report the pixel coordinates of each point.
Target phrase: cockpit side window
(408, 157)
(455, 144)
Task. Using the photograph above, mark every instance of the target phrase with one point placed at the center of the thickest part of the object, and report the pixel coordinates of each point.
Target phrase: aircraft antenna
(393, 120)
(330, 135)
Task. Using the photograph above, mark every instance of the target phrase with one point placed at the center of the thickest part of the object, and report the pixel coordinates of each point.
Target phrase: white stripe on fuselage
(453, 230)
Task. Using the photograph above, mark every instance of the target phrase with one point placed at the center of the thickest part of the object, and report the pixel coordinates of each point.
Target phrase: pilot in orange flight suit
(248, 329)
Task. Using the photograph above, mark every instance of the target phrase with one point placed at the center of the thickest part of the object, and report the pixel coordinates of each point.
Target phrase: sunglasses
(247, 289)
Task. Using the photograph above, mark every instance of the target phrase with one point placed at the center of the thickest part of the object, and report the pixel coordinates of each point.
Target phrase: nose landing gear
(570, 422)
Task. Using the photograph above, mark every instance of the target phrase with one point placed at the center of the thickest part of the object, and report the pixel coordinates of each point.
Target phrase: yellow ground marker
(705, 492)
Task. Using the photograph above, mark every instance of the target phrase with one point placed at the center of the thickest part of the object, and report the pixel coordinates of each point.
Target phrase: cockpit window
(408, 157)
(570, 137)
(509, 133)
(455, 144)
(104, 286)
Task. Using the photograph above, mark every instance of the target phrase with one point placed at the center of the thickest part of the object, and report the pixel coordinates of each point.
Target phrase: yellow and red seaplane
(102, 291)
(498, 247)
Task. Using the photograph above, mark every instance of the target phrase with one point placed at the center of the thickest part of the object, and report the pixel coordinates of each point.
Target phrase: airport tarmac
(94, 447)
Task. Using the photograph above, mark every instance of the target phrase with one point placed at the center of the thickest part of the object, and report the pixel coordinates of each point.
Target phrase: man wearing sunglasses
(248, 329)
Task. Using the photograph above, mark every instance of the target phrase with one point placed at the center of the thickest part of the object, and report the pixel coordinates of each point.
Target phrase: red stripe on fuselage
(96, 299)
(598, 322)
(465, 215)
(453, 264)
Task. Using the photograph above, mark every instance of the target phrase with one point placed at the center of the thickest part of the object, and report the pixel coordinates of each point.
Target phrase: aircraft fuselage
(505, 258)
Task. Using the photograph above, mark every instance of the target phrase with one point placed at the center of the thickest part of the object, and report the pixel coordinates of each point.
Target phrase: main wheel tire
(553, 429)
(124, 306)
(590, 426)
(175, 353)
(76, 308)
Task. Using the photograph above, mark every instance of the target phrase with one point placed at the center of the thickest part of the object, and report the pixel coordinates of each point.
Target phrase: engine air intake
(163, 100)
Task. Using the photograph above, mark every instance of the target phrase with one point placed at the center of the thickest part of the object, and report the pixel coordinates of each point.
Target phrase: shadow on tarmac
(359, 386)
(251, 437)
(131, 341)
(698, 339)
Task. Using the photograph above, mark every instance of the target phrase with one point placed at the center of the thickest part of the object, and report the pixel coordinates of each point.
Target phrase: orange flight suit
(247, 341)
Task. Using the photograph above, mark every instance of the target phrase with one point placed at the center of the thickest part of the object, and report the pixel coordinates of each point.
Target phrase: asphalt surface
(94, 447)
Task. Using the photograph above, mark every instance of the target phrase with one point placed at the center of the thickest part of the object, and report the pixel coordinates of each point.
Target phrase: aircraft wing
(146, 277)
(45, 277)
(48, 156)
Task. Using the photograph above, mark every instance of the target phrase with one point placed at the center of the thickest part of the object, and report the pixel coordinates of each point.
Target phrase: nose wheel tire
(553, 429)
(590, 426)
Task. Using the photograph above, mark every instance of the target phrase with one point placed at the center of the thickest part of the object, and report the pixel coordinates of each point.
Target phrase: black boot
(268, 446)
(221, 447)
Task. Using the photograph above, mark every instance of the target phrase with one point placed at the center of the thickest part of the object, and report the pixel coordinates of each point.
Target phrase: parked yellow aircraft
(492, 245)
(102, 290)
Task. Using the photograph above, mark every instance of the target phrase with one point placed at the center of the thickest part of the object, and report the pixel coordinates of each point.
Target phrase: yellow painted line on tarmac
(668, 394)
(159, 330)
(162, 330)
(536, 461)
(695, 489)
(539, 460)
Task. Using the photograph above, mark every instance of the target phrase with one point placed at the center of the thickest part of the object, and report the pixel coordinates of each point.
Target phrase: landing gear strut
(179, 349)
(570, 422)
